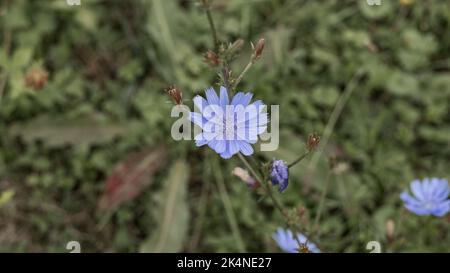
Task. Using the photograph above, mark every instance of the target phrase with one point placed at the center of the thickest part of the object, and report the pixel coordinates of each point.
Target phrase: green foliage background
(108, 64)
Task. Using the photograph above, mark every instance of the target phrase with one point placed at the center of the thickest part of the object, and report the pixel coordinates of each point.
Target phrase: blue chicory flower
(289, 244)
(280, 174)
(228, 128)
(430, 197)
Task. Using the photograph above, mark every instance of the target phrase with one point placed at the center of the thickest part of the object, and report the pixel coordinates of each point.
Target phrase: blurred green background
(85, 147)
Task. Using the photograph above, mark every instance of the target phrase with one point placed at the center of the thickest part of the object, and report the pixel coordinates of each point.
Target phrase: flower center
(429, 205)
(229, 126)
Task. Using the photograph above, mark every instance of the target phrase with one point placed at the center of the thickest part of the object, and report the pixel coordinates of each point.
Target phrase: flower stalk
(207, 8)
(239, 78)
(257, 53)
(298, 159)
(269, 193)
(321, 204)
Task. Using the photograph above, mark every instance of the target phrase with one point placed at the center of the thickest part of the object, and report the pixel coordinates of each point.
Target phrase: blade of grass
(339, 107)
(227, 205)
(201, 210)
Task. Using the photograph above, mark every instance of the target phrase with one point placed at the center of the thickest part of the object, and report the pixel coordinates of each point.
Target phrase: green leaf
(131, 70)
(55, 131)
(87, 18)
(402, 84)
(16, 17)
(325, 95)
(171, 213)
(435, 134)
(419, 43)
(18, 85)
(21, 58)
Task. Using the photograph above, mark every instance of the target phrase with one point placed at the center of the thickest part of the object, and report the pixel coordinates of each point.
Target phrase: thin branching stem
(207, 8)
(321, 203)
(269, 193)
(239, 78)
(298, 159)
(339, 107)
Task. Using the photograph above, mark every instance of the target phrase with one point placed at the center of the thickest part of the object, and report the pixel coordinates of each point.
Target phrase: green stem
(3, 79)
(242, 158)
(7, 47)
(211, 25)
(226, 80)
(338, 108)
(253, 161)
(228, 207)
(263, 183)
(201, 210)
(298, 159)
(270, 194)
(321, 204)
(239, 79)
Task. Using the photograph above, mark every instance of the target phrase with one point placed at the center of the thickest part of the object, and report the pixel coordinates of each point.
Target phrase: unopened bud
(175, 94)
(390, 229)
(301, 211)
(313, 142)
(245, 177)
(258, 49)
(36, 79)
(236, 46)
(211, 58)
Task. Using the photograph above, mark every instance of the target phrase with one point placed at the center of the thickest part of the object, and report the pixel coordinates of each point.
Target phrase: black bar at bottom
(222, 262)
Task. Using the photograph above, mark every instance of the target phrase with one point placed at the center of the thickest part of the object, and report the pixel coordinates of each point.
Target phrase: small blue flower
(289, 244)
(228, 128)
(430, 197)
(280, 174)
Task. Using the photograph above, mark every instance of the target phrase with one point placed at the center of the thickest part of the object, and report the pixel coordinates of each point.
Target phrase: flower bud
(301, 211)
(211, 58)
(175, 94)
(245, 177)
(258, 49)
(279, 174)
(390, 229)
(36, 79)
(313, 142)
(236, 46)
